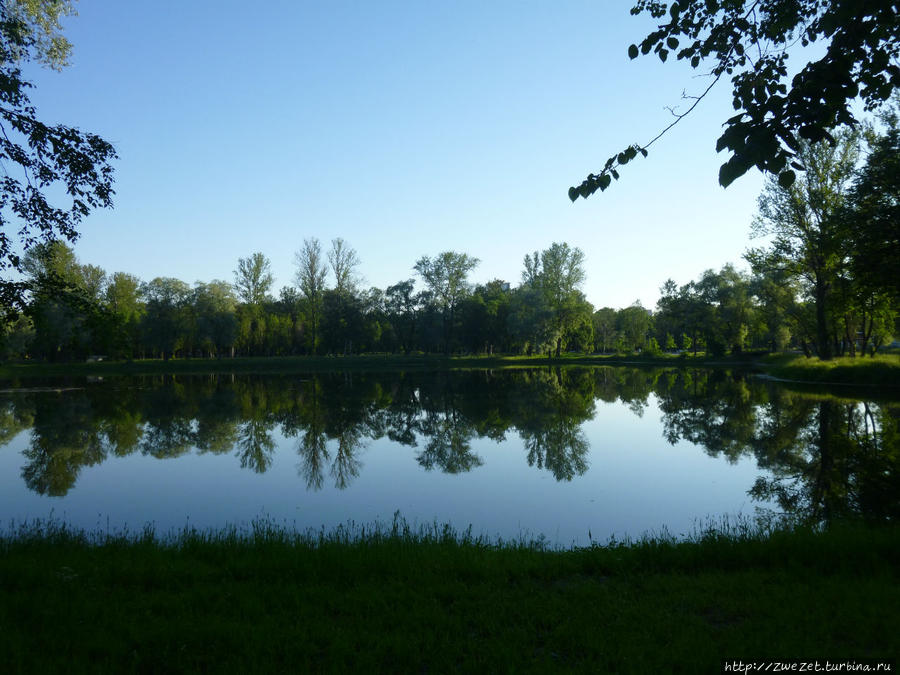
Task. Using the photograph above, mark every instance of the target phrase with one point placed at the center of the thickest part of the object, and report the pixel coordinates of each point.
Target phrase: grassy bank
(391, 600)
(381, 362)
(882, 371)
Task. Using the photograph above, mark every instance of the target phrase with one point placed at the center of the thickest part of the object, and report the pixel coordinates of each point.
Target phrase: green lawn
(388, 600)
(883, 370)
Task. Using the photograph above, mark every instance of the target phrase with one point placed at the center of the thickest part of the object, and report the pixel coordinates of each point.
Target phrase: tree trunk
(850, 339)
(822, 340)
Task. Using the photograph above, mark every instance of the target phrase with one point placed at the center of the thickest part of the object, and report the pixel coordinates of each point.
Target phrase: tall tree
(730, 315)
(215, 323)
(484, 317)
(345, 315)
(633, 324)
(343, 261)
(58, 302)
(39, 159)
(531, 320)
(166, 321)
(67, 303)
(446, 277)
(310, 278)
(778, 308)
(604, 320)
(253, 279)
(809, 240)
(124, 304)
(873, 213)
(777, 107)
(558, 273)
(402, 305)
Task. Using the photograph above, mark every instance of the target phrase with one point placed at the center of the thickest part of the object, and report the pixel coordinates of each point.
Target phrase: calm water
(558, 453)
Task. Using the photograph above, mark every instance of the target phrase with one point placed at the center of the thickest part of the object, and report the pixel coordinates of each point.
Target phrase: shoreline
(882, 372)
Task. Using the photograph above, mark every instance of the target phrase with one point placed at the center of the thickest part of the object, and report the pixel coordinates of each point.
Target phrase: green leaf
(672, 43)
(643, 151)
(573, 193)
(663, 55)
(786, 179)
(633, 52)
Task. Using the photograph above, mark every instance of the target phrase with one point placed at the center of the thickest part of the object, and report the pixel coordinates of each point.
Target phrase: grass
(368, 362)
(882, 371)
(392, 599)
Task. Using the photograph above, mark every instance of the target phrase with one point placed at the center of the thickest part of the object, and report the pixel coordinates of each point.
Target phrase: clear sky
(405, 128)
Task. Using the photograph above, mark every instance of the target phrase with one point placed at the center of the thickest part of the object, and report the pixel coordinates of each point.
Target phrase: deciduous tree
(809, 241)
(253, 279)
(40, 159)
(445, 276)
(310, 278)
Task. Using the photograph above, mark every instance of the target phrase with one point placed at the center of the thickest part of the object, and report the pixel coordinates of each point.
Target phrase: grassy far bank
(388, 599)
(881, 371)
(392, 362)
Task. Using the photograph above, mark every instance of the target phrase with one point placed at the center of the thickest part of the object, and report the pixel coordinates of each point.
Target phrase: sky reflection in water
(558, 453)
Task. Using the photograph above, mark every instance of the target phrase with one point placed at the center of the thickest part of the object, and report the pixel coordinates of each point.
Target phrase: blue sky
(405, 128)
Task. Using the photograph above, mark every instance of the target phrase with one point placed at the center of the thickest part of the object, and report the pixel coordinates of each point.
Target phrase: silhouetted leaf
(786, 178)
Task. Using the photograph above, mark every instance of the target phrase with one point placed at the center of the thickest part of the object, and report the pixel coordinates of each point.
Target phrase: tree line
(827, 282)
(75, 311)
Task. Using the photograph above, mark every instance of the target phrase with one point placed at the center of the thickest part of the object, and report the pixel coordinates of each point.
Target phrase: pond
(570, 455)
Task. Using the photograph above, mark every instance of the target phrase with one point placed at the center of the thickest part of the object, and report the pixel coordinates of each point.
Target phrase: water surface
(567, 454)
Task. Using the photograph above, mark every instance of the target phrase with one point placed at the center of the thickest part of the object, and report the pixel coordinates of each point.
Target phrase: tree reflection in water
(827, 458)
(824, 457)
(845, 464)
(449, 443)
